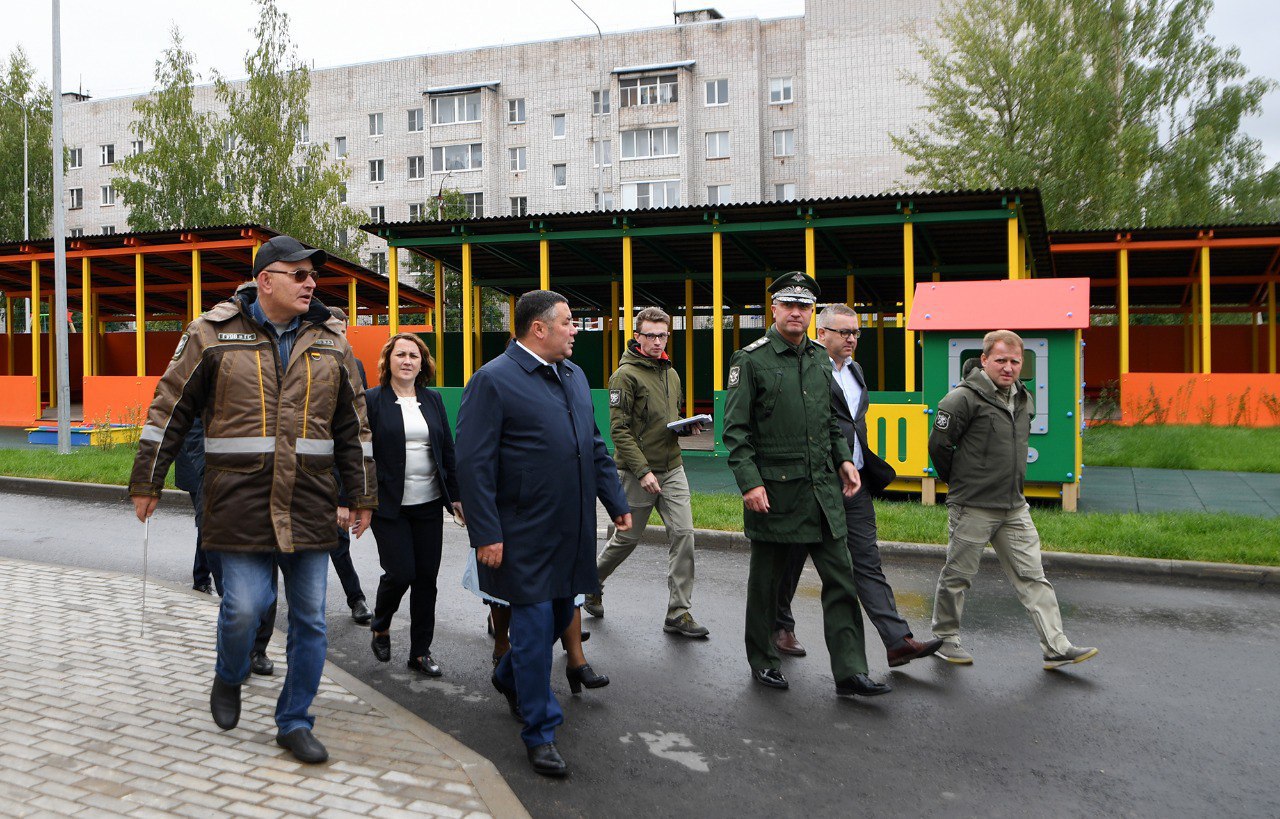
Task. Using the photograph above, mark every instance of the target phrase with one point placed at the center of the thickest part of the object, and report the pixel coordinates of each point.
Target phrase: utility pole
(59, 319)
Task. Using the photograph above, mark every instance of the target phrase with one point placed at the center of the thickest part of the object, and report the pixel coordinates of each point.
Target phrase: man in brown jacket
(272, 376)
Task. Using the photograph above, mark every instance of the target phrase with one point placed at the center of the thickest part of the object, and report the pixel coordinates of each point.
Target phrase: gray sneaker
(594, 605)
(1075, 654)
(684, 624)
(953, 652)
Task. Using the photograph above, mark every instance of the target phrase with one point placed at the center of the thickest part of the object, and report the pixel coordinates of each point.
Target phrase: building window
(415, 120)
(377, 213)
(663, 194)
(648, 142)
(75, 232)
(780, 90)
(376, 170)
(378, 262)
(108, 230)
(474, 203)
(784, 191)
(339, 147)
(342, 237)
(417, 212)
(519, 206)
(560, 175)
(717, 92)
(108, 154)
(342, 192)
(75, 158)
(604, 149)
(558, 125)
(517, 158)
(465, 157)
(649, 90)
(717, 145)
(229, 143)
(135, 147)
(515, 111)
(608, 200)
(455, 108)
(719, 194)
(417, 167)
(77, 198)
(375, 125)
(304, 133)
(108, 195)
(784, 142)
(595, 102)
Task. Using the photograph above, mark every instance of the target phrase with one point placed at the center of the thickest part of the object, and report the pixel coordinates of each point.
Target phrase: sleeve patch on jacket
(943, 420)
(734, 373)
(182, 345)
(615, 398)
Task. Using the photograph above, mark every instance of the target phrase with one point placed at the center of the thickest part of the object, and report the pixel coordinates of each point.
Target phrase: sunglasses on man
(299, 276)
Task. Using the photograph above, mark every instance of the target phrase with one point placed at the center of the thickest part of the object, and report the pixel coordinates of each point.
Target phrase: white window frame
(136, 146)
(377, 171)
(559, 169)
(107, 154)
(304, 133)
(781, 90)
(643, 143)
(417, 162)
(560, 123)
(414, 117)
(595, 102)
(375, 124)
(474, 203)
(377, 213)
(75, 198)
(780, 139)
(609, 203)
(632, 194)
(519, 206)
(719, 194)
(718, 145)
(657, 89)
(605, 146)
(342, 193)
(781, 194)
(107, 194)
(339, 147)
(451, 109)
(417, 211)
(440, 162)
(76, 158)
(716, 93)
(378, 261)
(108, 230)
(515, 111)
(75, 233)
(518, 159)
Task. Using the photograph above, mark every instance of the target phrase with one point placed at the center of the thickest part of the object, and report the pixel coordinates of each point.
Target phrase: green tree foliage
(1122, 112)
(18, 83)
(450, 205)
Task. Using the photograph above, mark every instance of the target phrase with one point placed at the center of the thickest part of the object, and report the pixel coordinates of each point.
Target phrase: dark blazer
(386, 422)
(876, 474)
(534, 465)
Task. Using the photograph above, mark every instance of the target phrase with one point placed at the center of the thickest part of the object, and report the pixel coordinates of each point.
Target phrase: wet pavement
(1176, 717)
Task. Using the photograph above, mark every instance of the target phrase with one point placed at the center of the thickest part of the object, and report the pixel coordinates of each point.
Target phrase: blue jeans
(535, 627)
(247, 583)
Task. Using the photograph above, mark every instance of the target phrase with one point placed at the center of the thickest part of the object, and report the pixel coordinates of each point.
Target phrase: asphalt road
(1177, 717)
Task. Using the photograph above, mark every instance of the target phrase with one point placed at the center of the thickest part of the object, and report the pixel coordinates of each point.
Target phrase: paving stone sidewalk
(97, 719)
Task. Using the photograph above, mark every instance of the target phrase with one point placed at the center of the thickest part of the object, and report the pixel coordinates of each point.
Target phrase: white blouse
(421, 484)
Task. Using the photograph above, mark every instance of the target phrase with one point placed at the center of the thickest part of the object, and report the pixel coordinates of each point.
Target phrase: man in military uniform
(790, 460)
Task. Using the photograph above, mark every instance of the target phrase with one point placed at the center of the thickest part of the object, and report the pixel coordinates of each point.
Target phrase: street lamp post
(599, 148)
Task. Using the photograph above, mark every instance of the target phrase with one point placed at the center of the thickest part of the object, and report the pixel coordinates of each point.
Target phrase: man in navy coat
(531, 464)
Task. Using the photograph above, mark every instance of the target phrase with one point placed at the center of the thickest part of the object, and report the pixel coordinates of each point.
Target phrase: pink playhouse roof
(1022, 304)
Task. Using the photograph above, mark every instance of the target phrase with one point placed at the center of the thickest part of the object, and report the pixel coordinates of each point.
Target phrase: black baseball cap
(287, 249)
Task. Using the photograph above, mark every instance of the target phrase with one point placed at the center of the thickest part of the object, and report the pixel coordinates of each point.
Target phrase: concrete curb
(1110, 565)
(73, 490)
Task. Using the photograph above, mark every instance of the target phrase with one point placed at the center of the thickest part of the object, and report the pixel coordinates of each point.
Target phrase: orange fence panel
(17, 400)
(118, 399)
(1220, 399)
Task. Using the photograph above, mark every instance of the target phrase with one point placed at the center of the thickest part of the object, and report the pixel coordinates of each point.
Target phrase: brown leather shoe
(786, 642)
(912, 649)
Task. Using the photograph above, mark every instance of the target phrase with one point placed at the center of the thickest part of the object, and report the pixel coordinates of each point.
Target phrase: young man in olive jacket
(978, 445)
(645, 396)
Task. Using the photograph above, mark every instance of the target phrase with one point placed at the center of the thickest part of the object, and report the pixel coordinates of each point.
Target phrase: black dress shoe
(381, 645)
(547, 761)
(260, 664)
(204, 588)
(770, 677)
(584, 675)
(912, 649)
(360, 613)
(512, 701)
(224, 703)
(425, 665)
(862, 685)
(303, 745)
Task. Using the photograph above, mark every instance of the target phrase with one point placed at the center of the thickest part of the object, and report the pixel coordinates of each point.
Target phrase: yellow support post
(33, 322)
(1206, 311)
(393, 290)
(466, 312)
(438, 272)
(1012, 234)
(197, 285)
(811, 267)
(688, 347)
(544, 264)
(511, 316)
(908, 294)
(1271, 327)
(628, 292)
(140, 312)
(86, 318)
(253, 256)
(352, 306)
(1124, 310)
(616, 331)
(717, 311)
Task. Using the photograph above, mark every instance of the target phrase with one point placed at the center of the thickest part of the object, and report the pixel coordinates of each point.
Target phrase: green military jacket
(782, 435)
(644, 396)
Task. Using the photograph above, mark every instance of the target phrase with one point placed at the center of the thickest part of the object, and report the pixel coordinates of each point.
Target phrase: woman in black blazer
(417, 482)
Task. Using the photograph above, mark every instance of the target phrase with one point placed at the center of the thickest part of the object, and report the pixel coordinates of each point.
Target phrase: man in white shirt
(838, 332)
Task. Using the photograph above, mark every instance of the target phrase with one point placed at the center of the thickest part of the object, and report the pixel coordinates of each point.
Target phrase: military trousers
(841, 614)
(1013, 536)
(673, 505)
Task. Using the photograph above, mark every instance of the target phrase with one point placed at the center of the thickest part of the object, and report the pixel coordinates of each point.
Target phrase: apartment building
(704, 111)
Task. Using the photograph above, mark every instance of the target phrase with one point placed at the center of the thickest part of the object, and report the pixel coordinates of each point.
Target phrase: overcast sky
(110, 48)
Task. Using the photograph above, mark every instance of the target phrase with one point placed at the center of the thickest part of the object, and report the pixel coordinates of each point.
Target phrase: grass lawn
(1230, 449)
(1217, 537)
(84, 464)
